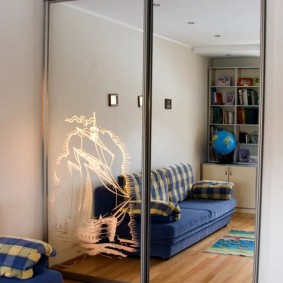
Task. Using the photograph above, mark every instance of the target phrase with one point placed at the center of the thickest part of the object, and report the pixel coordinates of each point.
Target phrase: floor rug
(235, 242)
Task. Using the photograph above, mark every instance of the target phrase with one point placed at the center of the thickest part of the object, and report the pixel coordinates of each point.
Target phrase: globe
(223, 143)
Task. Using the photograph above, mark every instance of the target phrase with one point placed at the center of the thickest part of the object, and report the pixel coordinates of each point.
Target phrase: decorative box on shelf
(224, 81)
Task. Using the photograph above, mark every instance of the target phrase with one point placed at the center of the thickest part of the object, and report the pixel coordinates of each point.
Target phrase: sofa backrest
(132, 184)
(172, 183)
(180, 179)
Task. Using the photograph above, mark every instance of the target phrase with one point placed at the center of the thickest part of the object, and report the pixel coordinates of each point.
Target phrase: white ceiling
(236, 21)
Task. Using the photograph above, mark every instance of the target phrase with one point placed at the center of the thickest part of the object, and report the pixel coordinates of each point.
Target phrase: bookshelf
(233, 105)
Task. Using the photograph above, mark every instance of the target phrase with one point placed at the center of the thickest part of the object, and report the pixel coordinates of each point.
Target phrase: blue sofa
(182, 212)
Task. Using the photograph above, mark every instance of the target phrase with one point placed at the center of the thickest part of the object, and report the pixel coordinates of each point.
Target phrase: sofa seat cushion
(167, 232)
(215, 208)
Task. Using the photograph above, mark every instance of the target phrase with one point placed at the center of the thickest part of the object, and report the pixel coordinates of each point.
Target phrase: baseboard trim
(86, 278)
(78, 277)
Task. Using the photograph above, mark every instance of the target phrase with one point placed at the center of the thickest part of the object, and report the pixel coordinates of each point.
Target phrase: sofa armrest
(211, 189)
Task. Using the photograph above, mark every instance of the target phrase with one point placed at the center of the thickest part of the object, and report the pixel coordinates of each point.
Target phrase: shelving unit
(234, 98)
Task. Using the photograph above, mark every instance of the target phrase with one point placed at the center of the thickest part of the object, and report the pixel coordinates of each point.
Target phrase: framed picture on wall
(168, 103)
(112, 99)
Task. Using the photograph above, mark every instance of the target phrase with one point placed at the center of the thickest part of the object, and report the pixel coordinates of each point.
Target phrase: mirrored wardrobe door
(94, 109)
(200, 51)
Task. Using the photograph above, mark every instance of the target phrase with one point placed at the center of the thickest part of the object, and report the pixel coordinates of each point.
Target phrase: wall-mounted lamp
(140, 101)
(112, 99)
(168, 103)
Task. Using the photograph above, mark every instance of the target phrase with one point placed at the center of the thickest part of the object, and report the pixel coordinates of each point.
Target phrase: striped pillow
(208, 189)
(180, 179)
(157, 208)
(18, 256)
(159, 186)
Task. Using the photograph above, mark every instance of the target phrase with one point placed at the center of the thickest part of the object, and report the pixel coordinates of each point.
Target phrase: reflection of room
(120, 48)
(21, 202)
(178, 73)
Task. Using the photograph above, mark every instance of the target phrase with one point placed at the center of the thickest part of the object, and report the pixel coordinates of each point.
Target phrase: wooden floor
(191, 265)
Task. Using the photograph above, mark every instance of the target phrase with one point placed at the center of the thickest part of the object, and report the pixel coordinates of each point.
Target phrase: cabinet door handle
(230, 171)
(226, 172)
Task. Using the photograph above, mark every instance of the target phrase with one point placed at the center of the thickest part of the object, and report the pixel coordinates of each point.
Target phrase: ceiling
(220, 27)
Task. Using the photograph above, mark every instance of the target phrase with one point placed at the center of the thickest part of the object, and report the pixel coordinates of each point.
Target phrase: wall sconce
(168, 103)
(112, 99)
(140, 98)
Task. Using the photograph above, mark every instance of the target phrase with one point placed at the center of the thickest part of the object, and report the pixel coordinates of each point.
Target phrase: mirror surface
(95, 77)
(214, 31)
(96, 50)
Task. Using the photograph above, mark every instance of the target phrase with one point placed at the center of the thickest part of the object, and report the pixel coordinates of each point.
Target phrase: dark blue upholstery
(195, 224)
(103, 201)
(169, 232)
(165, 251)
(45, 276)
(216, 208)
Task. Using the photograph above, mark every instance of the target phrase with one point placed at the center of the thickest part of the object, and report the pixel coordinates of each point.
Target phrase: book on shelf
(247, 97)
(219, 99)
(254, 97)
(247, 116)
(220, 116)
(212, 155)
(213, 131)
(216, 97)
(212, 95)
(240, 97)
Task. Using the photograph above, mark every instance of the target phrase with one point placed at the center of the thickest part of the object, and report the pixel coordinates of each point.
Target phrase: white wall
(237, 62)
(21, 49)
(271, 247)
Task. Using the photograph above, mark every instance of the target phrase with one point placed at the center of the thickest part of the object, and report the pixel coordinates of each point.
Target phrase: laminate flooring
(192, 265)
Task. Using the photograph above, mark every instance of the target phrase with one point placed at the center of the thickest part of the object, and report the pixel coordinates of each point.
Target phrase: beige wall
(21, 49)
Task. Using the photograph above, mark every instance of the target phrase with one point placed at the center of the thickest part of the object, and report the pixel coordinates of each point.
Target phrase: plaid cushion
(159, 186)
(208, 189)
(133, 183)
(18, 256)
(157, 207)
(180, 179)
